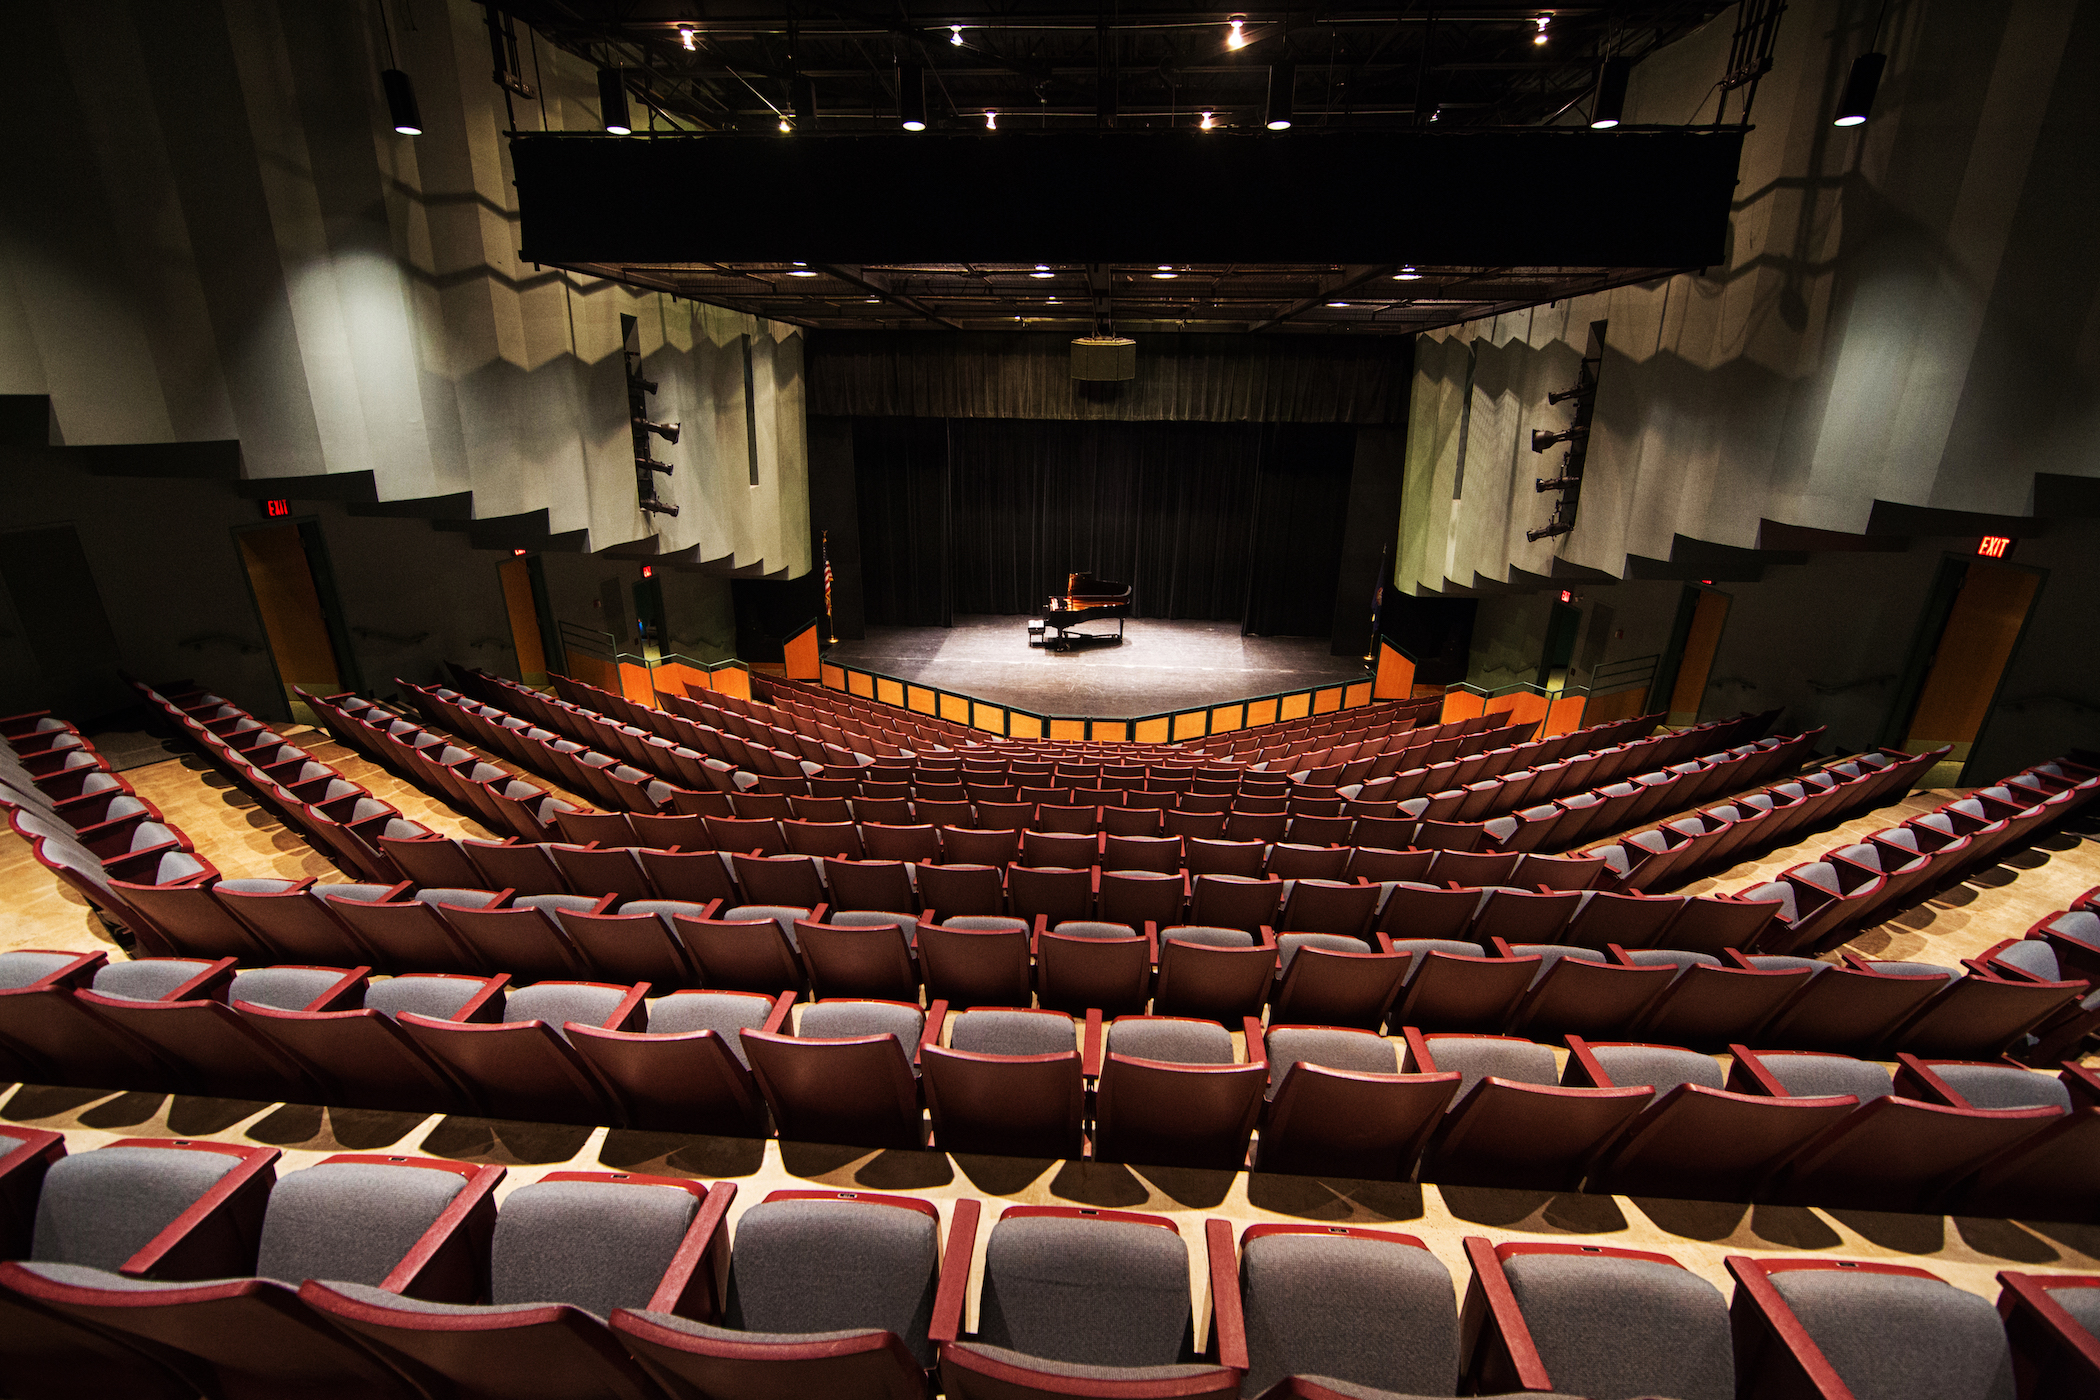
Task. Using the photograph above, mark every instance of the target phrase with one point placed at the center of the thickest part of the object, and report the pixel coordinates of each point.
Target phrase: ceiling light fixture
(1237, 39)
(784, 127)
(801, 270)
(612, 102)
(685, 37)
(991, 120)
(1407, 273)
(1856, 103)
(955, 35)
(1338, 304)
(1166, 273)
(1610, 107)
(1208, 121)
(1283, 82)
(1540, 37)
(911, 96)
(401, 102)
(1042, 270)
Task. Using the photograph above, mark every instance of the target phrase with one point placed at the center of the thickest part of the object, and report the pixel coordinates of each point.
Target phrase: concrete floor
(1159, 666)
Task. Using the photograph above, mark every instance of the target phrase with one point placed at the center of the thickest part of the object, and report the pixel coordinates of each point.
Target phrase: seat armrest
(936, 1014)
(1090, 1055)
(776, 1019)
(696, 1284)
(954, 1289)
(1257, 1047)
(1228, 1322)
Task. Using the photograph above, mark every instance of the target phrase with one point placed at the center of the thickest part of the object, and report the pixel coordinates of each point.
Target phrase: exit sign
(276, 508)
(1994, 546)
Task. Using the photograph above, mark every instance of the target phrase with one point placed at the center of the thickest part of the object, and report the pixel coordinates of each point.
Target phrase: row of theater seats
(391, 1276)
(2060, 947)
(1807, 1127)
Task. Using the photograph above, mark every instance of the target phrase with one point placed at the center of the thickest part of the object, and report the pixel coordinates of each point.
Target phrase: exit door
(1970, 630)
(294, 593)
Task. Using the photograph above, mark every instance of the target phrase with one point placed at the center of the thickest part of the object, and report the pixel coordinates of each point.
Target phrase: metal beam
(876, 283)
(1351, 278)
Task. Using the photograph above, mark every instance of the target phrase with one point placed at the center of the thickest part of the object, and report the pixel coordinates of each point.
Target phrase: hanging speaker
(1104, 357)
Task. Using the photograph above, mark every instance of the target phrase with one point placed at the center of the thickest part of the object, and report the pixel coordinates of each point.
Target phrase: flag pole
(831, 630)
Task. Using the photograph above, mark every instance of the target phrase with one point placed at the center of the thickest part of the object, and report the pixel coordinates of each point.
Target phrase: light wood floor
(1999, 903)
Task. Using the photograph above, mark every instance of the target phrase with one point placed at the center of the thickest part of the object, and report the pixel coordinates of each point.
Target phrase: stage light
(635, 381)
(1166, 273)
(1540, 37)
(666, 468)
(1541, 439)
(1237, 39)
(1208, 122)
(1558, 527)
(1042, 271)
(800, 270)
(401, 102)
(875, 299)
(1610, 106)
(1053, 301)
(1283, 80)
(1558, 483)
(1337, 303)
(1856, 103)
(685, 37)
(991, 120)
(612, 102)
(911, 96)
(1407, 273)
(1580, 391)
(667, 431)
(656, 507)
(955, 35)
(784, 127)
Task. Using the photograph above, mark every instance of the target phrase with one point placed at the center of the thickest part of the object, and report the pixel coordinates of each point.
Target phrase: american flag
(827, 573)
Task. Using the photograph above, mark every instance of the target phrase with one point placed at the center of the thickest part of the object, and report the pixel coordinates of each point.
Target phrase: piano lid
(1085, 585)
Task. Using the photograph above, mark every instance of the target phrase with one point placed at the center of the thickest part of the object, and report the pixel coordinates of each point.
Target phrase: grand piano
(1085, 602)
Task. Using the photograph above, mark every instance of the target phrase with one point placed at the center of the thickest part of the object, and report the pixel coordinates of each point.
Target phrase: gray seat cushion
(1615, 1328)
(1477, 1057)
(558, 1002)
(1171, 1039)
(253, 886)
(1786, 962)
(1080, 1371)
(286, 988)
(148, 980)
(465, 899)
(1550, 954)
(839, 1020)
(2002, 1086)
(1288, 944)
(1915, 969)
(2078, 925)
(748, 1338)
(999, 1032)
(1670, 957)
(1366, 1311)
(1895, 1338)
(724, 1013)
(99, 1208)
(1807, 1076)
(831, 1266)
(594, 1245)
(363, 894)
(1358, 1051)
(1088, 1291)
(986, 923)
(782, 914)
(665, 909)
(570, 903)
(2030, 955)
(907, 924)
(1208, 937)
(1090, 928)
(349, 1220)
(21, 969)
(2083, 1304)
(436, 994)
(1661, 1067)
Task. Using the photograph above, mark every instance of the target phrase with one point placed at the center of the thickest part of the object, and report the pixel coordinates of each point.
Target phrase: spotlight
(635, 381)
(1540, 37)
(401, 102)
(667, 431)
(1042, 271)
(653, 465)
(1610, 106)
(784, 127)
(1237, 39)
(955, 35)
(1558, 483)
(802, 96)
(1338, 304)
(612, 102)
(911, 96)
(1580, 391)
(1407, 273)
(1558, 527)
(685, 37)
(1283, 79)
(1541, 439)
(1166, 273)
(801, 270)
(1436, 113)
(991, 120)
(1208, 121)
(1856, 104)
(656, 507)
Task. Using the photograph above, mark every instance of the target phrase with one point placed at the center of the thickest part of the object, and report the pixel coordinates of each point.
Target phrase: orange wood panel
(832, 677)
(987, 717)
(290, 607)
(1326, 702)
(1565, 714)
(889, 692)
(1226, 718)
(733, 680)
(1190, 724)
(1357, 696)
(675, 678)
(861, 683)
(1022, 726)
(1117, 731)
(1461, 704)
(1295, 706)
(516, 575)
(1973, 650)
(593, 671)
(636, 685)
(1396, 675)
(1700, 644)
(1068, 729)
(799, 654)
(920, 700)
(1260, 712)
(1522, 707)
(956, 708)
(1620, 704)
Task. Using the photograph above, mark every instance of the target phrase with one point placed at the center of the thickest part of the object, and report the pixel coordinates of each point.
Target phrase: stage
(1159, 666)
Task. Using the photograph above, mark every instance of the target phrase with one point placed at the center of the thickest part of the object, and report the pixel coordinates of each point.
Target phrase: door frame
(1933, 616)
(314, 544)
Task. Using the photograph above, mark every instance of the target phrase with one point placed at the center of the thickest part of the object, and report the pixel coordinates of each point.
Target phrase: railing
(595, 657)
(1165, 727)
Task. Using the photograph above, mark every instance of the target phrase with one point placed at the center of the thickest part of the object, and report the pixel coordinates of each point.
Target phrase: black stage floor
(1160, 665)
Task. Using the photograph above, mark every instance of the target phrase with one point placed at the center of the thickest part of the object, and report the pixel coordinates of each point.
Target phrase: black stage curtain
(1236, 522)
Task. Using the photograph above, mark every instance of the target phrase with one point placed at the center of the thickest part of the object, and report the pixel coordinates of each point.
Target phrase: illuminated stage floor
(1159, 666)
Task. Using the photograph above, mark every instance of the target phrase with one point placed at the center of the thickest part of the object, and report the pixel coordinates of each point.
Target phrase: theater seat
(2052, 1323)
(1511, 1123)
(1009, 1081)
(1337, 1104)
(829, 1293)
(976, 959)
(1173, 1093)
(567, 1252)
(848, 1074)
(523, 1066)
(685, 1070)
